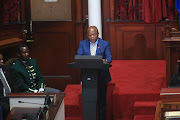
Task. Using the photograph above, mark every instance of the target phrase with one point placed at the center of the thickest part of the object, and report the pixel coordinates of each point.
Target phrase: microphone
(30, 102)
(99, 49)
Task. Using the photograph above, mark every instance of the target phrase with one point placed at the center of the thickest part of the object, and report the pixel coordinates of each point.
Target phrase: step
(144, 117)
(144, 107)
(123, 100)
(109, 104)
(72, 105)
(73, 98)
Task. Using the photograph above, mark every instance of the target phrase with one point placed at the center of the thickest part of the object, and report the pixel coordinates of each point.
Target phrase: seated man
(28, 75)
(175, 79)
(12, 87)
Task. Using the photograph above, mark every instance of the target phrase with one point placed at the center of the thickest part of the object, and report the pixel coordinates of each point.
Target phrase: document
(172, 114)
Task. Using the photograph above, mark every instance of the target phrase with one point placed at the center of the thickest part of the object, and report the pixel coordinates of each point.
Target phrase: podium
(90, 68)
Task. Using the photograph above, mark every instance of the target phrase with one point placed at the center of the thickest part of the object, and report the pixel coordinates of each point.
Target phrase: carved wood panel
(137, 41)
(53, 49)
(134, 42)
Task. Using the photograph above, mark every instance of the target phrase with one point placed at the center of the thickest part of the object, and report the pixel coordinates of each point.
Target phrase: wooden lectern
(27, 103)
(90, 67)
(172, 45)
(169, 107)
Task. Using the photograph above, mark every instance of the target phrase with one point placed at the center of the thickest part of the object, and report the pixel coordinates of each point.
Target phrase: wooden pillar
(78, 10)
(167, 29)
(112, 9)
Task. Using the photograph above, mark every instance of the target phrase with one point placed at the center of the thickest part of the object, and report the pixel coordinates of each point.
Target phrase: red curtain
(151, 11)
(171, 10)
(156, 10)
(9, 11)
(134, 10)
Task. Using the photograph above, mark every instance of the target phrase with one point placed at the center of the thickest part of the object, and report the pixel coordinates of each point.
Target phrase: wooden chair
(10, 61)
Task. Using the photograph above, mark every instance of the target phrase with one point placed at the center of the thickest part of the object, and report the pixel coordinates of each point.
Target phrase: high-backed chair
(10, 61)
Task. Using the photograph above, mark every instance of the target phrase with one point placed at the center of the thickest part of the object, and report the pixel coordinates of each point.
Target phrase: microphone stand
(47, 102)
(99, 49)
(40, 114)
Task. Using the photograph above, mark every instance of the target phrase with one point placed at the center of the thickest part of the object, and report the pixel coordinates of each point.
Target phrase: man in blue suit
(97, 46)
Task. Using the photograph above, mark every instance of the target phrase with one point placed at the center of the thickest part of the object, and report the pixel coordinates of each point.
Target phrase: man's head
(92, 33)
(23, 52)
(1, 59)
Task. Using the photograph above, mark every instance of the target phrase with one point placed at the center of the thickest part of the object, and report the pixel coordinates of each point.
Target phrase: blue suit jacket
(103, 49)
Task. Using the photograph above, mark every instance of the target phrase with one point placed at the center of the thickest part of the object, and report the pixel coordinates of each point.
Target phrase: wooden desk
(56, 112)
(170, 102)
(170, 94)
(16, 113)
(163, 107)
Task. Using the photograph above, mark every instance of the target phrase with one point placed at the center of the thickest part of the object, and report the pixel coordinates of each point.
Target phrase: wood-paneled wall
(56, 42)
(133, 40)
(10, 37)
(55, 45)
(53, 49)
(137, 41)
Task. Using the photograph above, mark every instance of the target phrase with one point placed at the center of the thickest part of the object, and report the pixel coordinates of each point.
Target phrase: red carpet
(132, 93)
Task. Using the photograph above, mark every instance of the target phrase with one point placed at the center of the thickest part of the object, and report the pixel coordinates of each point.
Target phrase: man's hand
(104, 61)
(35, 91)
(41, 90)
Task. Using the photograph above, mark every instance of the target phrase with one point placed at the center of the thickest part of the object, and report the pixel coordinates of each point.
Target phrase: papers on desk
(172, 115)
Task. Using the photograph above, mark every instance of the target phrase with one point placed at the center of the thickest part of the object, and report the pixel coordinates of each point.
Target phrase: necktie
(93, 49)
(4, 82)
